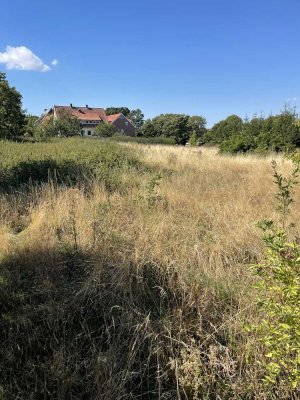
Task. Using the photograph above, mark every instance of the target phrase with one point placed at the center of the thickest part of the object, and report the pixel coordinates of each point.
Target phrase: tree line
(234, 134)
(280, 132)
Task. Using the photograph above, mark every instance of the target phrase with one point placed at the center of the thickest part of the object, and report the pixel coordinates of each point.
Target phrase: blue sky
(207, 57)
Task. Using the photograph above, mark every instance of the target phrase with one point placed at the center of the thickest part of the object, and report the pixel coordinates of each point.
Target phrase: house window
(126, 123)
(89, 133)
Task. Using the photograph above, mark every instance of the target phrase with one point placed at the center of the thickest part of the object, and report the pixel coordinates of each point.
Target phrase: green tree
(193, 139)
(30, 125)
(105, 130)
(66, 125)
(168, 125)
(12, 119)
(197, 124)
(148, 129)
(224, 129)
(45, 129)
(281, 132)
(118, 110)
(137, 118)
(174, 125)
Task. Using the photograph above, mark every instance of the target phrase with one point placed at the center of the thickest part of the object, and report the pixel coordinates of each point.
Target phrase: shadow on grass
(41, 171)
(71, 328)
(72, 173)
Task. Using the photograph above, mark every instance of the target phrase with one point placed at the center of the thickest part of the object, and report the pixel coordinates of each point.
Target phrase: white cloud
(23, 59)
(54, 62)
(292, 100)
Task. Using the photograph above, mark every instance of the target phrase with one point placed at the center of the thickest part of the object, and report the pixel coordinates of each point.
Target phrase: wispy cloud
(22, 58)
(292, 99)
(54, 62)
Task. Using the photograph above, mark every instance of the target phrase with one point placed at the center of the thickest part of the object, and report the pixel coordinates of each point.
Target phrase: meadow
(124, 271)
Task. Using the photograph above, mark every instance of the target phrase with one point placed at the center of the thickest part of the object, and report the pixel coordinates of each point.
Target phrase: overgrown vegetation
(136, 287)
(69, 161)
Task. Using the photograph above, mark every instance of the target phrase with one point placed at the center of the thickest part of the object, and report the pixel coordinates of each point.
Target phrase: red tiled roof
(113, 117)
(84, 113)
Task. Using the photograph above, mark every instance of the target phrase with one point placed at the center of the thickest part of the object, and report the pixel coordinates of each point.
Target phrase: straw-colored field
(140, 291)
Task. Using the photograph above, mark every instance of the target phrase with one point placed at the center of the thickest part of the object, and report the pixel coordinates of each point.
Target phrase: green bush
(278, 329)
(237, 144)
(105, 130)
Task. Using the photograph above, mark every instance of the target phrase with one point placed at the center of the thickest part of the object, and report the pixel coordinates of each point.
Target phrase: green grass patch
(65, 161)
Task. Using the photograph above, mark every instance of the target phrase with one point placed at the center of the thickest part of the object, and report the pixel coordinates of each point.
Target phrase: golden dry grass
(166, 285)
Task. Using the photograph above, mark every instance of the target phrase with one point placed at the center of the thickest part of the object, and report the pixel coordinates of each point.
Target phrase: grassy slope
(120, 292)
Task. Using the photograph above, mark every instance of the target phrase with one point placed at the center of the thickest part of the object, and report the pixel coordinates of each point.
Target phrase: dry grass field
(140, 291)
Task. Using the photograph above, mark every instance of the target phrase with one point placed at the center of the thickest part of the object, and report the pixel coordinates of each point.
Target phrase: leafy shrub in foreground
(278, 329)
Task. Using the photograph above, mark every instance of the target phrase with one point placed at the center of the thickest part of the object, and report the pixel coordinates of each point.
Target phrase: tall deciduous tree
(12, 119)
(223, 130)
(148, 129)
(66, 124)
(137, 118)
(179, 126)
(197, 124)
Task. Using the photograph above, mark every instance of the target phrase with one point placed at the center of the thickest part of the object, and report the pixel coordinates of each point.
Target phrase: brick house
(90, 117)
(122, 124)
